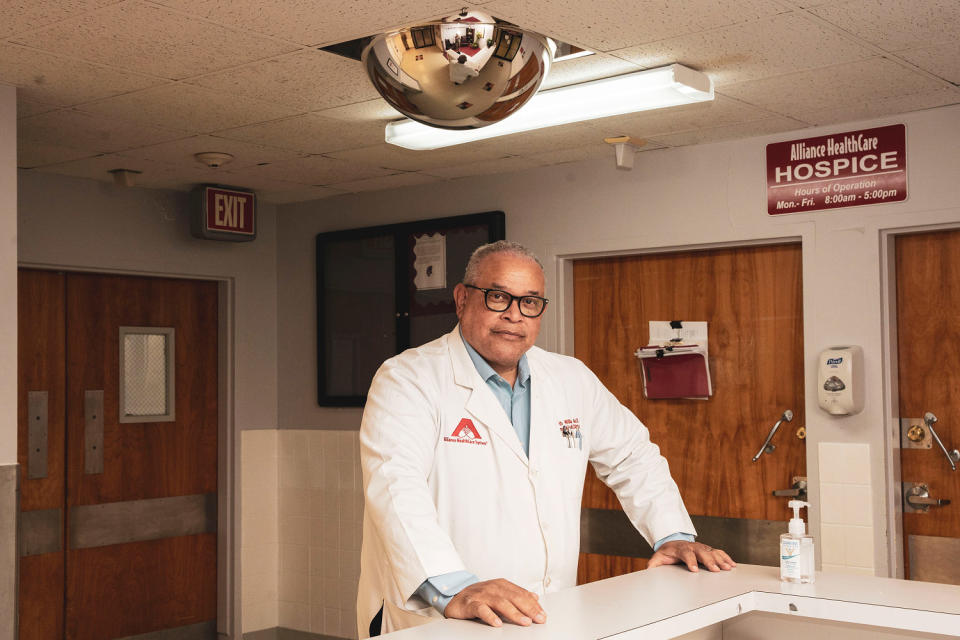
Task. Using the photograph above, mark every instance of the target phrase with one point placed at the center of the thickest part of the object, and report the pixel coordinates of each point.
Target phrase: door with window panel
(137, 538)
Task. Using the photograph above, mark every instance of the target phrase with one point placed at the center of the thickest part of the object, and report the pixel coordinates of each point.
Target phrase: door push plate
(914, 434)
(93, 432)
(37, 434)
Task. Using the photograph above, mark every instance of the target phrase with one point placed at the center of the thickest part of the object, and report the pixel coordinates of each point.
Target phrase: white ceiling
(145, 84)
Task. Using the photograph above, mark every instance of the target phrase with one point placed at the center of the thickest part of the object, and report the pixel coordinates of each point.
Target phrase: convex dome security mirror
(465, 71)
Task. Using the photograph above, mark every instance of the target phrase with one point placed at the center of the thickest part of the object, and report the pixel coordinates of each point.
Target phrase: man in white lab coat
(474, 449)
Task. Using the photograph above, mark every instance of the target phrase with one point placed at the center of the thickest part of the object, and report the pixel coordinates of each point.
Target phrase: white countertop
(670, 601)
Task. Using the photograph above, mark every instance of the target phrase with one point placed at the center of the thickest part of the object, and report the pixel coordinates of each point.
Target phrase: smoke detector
(213, 159)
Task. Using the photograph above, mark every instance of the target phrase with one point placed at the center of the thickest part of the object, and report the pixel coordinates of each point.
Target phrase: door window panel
(146, 374)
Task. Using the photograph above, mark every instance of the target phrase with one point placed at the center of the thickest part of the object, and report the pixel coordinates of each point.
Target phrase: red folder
(679, 375)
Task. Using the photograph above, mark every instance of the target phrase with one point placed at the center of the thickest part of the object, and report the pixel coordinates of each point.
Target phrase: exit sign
(225, 214)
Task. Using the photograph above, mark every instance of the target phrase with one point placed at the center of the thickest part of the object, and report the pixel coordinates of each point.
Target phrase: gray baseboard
(282, 633)
(9, 557)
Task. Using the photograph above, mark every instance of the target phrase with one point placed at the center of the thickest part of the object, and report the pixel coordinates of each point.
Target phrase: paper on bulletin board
(430, 262)
(675, 362)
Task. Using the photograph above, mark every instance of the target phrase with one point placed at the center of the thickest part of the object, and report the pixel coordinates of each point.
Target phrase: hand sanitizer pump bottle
(796, 549)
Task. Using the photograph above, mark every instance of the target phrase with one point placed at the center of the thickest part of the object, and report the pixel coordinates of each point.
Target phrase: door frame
(561, 339)
(228, 440)
(891, 385)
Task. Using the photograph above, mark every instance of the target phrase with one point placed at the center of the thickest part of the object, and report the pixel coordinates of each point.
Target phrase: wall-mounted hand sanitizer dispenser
(840, 380)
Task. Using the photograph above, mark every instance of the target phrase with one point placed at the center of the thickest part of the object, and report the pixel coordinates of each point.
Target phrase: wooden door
(752, 300)
(928, 348)
(138, 536)
(41, 359)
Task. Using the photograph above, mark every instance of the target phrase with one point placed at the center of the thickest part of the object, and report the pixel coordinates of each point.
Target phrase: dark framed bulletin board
(383, 289)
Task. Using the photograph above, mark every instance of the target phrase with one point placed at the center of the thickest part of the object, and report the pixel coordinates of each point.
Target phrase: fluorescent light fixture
(669, 86)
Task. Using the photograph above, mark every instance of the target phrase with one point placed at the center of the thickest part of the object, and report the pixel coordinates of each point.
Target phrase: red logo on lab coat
(465, 433)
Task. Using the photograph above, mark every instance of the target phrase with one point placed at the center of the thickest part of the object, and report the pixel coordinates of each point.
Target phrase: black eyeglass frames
(497, 300)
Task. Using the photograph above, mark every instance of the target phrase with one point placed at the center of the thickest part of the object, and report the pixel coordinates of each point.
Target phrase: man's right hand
(495, 599)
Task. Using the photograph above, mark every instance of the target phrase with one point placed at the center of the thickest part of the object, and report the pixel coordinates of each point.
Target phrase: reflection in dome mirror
(464, 72)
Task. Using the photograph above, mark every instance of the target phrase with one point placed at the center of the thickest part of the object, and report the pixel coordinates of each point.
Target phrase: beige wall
(691, 196)
(80, 224)
(8, 273)
(8, 355)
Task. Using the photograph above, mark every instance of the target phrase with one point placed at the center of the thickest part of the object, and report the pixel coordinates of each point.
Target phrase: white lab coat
(436, 502)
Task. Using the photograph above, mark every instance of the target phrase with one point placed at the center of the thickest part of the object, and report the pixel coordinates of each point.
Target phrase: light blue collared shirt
(440, 590)
(514, 400)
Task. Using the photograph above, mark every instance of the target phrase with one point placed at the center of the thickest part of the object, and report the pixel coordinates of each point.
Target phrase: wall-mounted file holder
(676, 362)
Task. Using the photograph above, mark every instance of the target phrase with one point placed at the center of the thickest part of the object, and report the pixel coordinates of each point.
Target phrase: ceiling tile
(879, 107)
(806, 4)
(761, 48)
(253, 178)
(17, 17)
(154, 175)
(188, 108)
(593, 67)
(38, 154)
(308, 80)
(941, 60)
(615, 24)
(64, 81)
(98, 168)
(245, 92)
(309, 22)
(27, 108)
(575, 154)
(394, 181)
(376, 109)
(309, 133)
(730, 132)
(143, 37)
(400, 159)
(79, 130)
(896, 24)
(841, 86)
(298, 194)
(180, 152)
(315, 170)
(500, 165)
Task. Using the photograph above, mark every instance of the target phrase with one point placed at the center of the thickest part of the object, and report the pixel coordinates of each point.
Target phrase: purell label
(790, 558)
(834, 361)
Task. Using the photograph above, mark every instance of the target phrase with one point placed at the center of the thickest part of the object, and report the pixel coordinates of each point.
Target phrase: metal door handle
(767, 447)
(916, 498)
(787, 493)
(952, 456)
(799, 490)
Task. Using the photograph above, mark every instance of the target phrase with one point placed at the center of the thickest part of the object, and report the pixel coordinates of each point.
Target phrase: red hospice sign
(838, 170)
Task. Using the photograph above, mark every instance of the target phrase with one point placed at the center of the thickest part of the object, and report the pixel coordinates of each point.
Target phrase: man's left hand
(690, 554)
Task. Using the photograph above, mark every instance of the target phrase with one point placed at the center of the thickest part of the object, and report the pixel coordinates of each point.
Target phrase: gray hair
(500, 246)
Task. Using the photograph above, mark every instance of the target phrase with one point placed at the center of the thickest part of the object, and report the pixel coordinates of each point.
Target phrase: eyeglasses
(497, 300)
